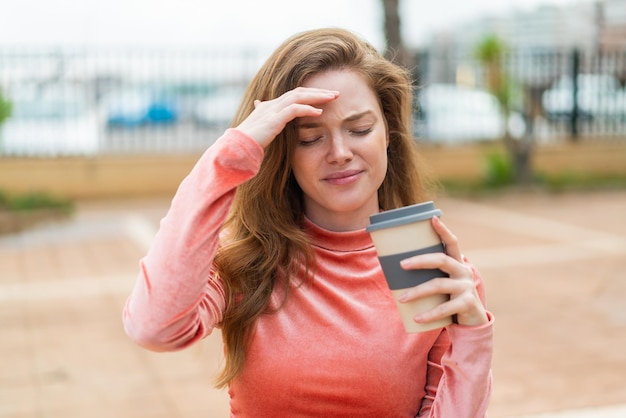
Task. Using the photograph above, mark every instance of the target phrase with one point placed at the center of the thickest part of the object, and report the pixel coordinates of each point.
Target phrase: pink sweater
(336, 349)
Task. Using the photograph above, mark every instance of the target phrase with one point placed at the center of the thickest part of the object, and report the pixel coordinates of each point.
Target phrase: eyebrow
(350, 118)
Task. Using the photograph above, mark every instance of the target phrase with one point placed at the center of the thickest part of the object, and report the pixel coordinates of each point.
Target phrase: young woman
(265, 239)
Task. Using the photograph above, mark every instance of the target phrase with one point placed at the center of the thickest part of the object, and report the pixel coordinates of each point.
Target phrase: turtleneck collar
(356, 240)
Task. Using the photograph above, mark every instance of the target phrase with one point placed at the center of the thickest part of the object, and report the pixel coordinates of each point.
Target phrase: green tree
(490, 52)
(5, 108)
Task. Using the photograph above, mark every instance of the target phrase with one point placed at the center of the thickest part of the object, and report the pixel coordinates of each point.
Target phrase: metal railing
(116, 101)
(559, 94)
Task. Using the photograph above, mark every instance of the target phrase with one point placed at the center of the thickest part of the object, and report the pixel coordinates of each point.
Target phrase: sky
(228, 23)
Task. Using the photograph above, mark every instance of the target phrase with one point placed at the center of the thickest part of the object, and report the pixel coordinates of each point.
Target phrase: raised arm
(176, 300)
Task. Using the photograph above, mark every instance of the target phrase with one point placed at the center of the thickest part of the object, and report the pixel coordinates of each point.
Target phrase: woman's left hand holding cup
(464, 304)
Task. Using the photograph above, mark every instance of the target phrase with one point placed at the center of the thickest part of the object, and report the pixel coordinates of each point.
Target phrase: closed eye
(361, 132)
(308, 142)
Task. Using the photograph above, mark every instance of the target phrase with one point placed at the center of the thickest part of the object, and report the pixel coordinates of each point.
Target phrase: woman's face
(340, 158)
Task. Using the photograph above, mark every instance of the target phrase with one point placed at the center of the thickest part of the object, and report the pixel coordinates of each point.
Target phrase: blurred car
(598, 95)
(448, 113)
(52, 121)
(218, 108)
(135, 107)
(186, 95)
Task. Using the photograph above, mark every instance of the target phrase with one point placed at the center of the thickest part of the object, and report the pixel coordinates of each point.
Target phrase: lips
(343, 177)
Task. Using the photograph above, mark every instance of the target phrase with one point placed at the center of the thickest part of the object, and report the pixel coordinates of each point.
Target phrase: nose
(339, 151)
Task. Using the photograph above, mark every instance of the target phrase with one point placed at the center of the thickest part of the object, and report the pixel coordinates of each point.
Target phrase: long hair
(265, 242)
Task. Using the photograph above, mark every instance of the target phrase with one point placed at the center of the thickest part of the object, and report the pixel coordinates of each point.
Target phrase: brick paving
(554, 266)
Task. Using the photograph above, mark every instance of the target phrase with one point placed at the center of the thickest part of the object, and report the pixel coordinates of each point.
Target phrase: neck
(343, 221)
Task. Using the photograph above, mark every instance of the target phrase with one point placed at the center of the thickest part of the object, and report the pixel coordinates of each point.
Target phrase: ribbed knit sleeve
(459, 377)
(176, 301)
(462, 373)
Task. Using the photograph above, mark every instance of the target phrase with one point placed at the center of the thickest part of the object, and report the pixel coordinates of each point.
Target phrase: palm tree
(490, 52)
(5, 112)
(5, 108)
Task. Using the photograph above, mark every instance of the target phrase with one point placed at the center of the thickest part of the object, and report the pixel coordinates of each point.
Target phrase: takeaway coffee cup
(399, 234)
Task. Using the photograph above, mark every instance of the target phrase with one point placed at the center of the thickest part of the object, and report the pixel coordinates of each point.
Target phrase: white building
(588, 26)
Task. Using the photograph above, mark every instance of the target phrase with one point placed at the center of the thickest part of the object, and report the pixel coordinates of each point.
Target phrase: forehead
(336, 79)
(355, 94)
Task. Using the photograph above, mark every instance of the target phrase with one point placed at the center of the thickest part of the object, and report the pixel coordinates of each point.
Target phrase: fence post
(575, 109)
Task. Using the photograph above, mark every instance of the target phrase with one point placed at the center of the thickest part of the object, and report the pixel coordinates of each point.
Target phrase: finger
(297, 103)
(465, 307)
(300, 95)
(298, 110)
(429, 288)
(438, 285)
(270, 117)
(307, 95)
(441, 261)
(448, 238)
(443, 310)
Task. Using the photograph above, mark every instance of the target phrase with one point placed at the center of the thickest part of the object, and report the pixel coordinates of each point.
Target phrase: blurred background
(520, 112)
(130, 78)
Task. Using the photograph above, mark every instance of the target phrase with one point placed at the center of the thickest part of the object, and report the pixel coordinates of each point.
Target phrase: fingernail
(403, 297)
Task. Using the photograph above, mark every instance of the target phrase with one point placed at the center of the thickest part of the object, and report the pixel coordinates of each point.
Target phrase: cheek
(379, 164)
(380, 157)
(384, 162)
(300, 167)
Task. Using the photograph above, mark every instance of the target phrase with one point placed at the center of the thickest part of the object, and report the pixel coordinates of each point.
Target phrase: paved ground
(555, 268)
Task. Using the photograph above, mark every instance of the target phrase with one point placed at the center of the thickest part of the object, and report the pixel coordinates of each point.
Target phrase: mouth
(343, 177)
